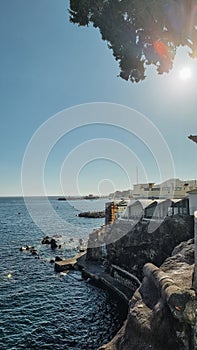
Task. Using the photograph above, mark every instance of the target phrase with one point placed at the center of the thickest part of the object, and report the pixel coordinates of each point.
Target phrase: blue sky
(47, 65)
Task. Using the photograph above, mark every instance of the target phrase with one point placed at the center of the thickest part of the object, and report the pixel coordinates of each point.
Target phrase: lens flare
(161, 49)
(185, 73)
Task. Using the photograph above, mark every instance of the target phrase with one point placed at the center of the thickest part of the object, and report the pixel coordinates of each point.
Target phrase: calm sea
(41, 309)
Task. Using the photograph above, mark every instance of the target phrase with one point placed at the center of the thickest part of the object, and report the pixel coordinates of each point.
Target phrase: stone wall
(138, 246)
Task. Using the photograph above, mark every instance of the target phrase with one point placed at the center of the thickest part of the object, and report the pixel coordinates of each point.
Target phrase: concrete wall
(192, 203)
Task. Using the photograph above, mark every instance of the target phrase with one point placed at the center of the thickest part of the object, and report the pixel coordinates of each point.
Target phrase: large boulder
(54, 244)
(46, 240)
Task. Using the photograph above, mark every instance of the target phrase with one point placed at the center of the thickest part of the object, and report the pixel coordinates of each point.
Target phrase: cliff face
(161, 314)
(138, 246)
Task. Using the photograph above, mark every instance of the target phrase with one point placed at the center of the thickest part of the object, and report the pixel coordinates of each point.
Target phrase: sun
(185, 73)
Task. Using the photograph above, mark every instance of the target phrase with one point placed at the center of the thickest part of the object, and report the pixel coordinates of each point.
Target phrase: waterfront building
(172, 188)
(155, 201)
(156, 209)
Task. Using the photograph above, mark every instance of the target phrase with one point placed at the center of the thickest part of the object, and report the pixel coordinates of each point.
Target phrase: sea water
(41, 309)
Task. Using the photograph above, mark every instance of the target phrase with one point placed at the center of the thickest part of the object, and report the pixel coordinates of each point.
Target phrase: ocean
(41, 309)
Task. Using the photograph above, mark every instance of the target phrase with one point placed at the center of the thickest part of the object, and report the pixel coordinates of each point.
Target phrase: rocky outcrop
(29, 249)
(65, 265)
(138, 245)
(53, 244)
(52, 241)
(162, 311)
(92, 214)
(46, 240)
(96, 243)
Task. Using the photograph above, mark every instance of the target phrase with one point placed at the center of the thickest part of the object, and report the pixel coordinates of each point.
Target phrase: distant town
(153, 201)
(172, 188)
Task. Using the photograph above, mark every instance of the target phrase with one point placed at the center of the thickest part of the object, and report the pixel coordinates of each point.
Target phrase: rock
(34, 252)
(53, 244)
(26, 248)
(80, 241)
(30, 249)
(160, 315)
(82, 248)
(22, 249)
(52, 241)
(137, 245)
(92, 214)
(181, 301)
(65, 265)
(57, 258)
(46, 240)
(96, 240)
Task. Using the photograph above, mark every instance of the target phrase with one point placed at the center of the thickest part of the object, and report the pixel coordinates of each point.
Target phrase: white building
(156, 209)
(172, 188)
(136, 209)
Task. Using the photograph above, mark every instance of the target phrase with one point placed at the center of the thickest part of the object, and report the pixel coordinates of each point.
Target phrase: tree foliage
(141, 32)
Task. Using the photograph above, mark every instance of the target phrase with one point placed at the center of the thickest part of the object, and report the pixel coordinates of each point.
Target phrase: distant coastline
(55, 197)
(89, 197)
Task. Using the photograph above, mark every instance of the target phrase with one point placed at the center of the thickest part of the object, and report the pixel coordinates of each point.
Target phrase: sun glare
(185, 73)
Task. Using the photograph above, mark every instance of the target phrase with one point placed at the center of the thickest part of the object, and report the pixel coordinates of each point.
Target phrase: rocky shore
(161, 311)
(151, 271)
(155, 321)
(131, 246)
